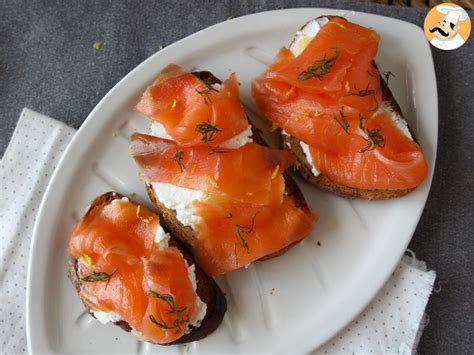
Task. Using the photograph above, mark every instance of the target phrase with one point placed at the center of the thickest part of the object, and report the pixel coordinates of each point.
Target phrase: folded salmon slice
(192, 110)
(339, 40)
(123, 271)
(398, 164)
(232, 235)
(251, 173)
(321, 97)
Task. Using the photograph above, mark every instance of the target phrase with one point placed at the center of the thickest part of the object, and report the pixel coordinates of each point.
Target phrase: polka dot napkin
(27, 164)
(391, 324)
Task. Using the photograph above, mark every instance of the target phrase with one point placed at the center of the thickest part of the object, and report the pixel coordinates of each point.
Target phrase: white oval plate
(292, 303)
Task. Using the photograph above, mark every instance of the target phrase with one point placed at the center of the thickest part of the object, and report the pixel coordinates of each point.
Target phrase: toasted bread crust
(207, 289)
(325, 183)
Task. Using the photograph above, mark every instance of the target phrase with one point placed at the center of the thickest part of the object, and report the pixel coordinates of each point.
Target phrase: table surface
(48, 64)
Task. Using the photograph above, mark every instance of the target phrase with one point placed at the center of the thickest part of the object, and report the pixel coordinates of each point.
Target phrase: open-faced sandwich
(337, 115)
(225, 196)
(128, 271)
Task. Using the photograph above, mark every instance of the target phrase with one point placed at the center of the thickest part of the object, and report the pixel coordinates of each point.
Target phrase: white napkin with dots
(392, 324)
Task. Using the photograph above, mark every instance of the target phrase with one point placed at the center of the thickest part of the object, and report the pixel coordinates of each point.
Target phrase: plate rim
(48, 197)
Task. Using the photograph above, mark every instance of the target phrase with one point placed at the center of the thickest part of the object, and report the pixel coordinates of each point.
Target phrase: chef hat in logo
(452, 14)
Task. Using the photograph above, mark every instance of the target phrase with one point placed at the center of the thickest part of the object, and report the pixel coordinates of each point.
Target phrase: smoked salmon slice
(245, 214)
(232, 235)
(122, 270)
(331, 98)
(192, 109)
(399, 164)
(251, 173)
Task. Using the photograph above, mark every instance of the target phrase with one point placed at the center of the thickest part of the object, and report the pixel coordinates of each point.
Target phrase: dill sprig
(385, 89)
(215, 150)
(99, 276)
(376, 104)
(207, 91)
(387, 75)
(374, 137)
(208, 131)
(319, 68)
(239, 229)
(343, 122)
(366, 92)
(178, 158)
(362, 93)
(178, 312)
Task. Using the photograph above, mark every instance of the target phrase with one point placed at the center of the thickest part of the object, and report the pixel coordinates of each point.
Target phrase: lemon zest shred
(301, 115)
(146, 220)
(275, 171)
(97, 45)
(339, 24)
(173, 105)
(213, 181)
(87, 259)
(274, 127)
(347, 86)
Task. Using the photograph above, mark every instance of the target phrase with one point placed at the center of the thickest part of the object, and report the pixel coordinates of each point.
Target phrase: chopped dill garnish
(374, 137)
(186, 348)
(215, 150)
(361, 122)
(169, 299)
(208, 131)
(362, 93)
(366, 92)
(319, 68)
(343, 122)
(98, 276)
(178, 158)
(244, 229)
(207, 91)
(387, 75)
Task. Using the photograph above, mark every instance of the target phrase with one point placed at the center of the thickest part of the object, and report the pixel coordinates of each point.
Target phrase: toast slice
(185, 233)
(324, 182)
(207, 289)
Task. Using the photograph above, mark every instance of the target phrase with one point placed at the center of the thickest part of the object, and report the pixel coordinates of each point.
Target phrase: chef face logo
(444, 30)
(447, 26)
